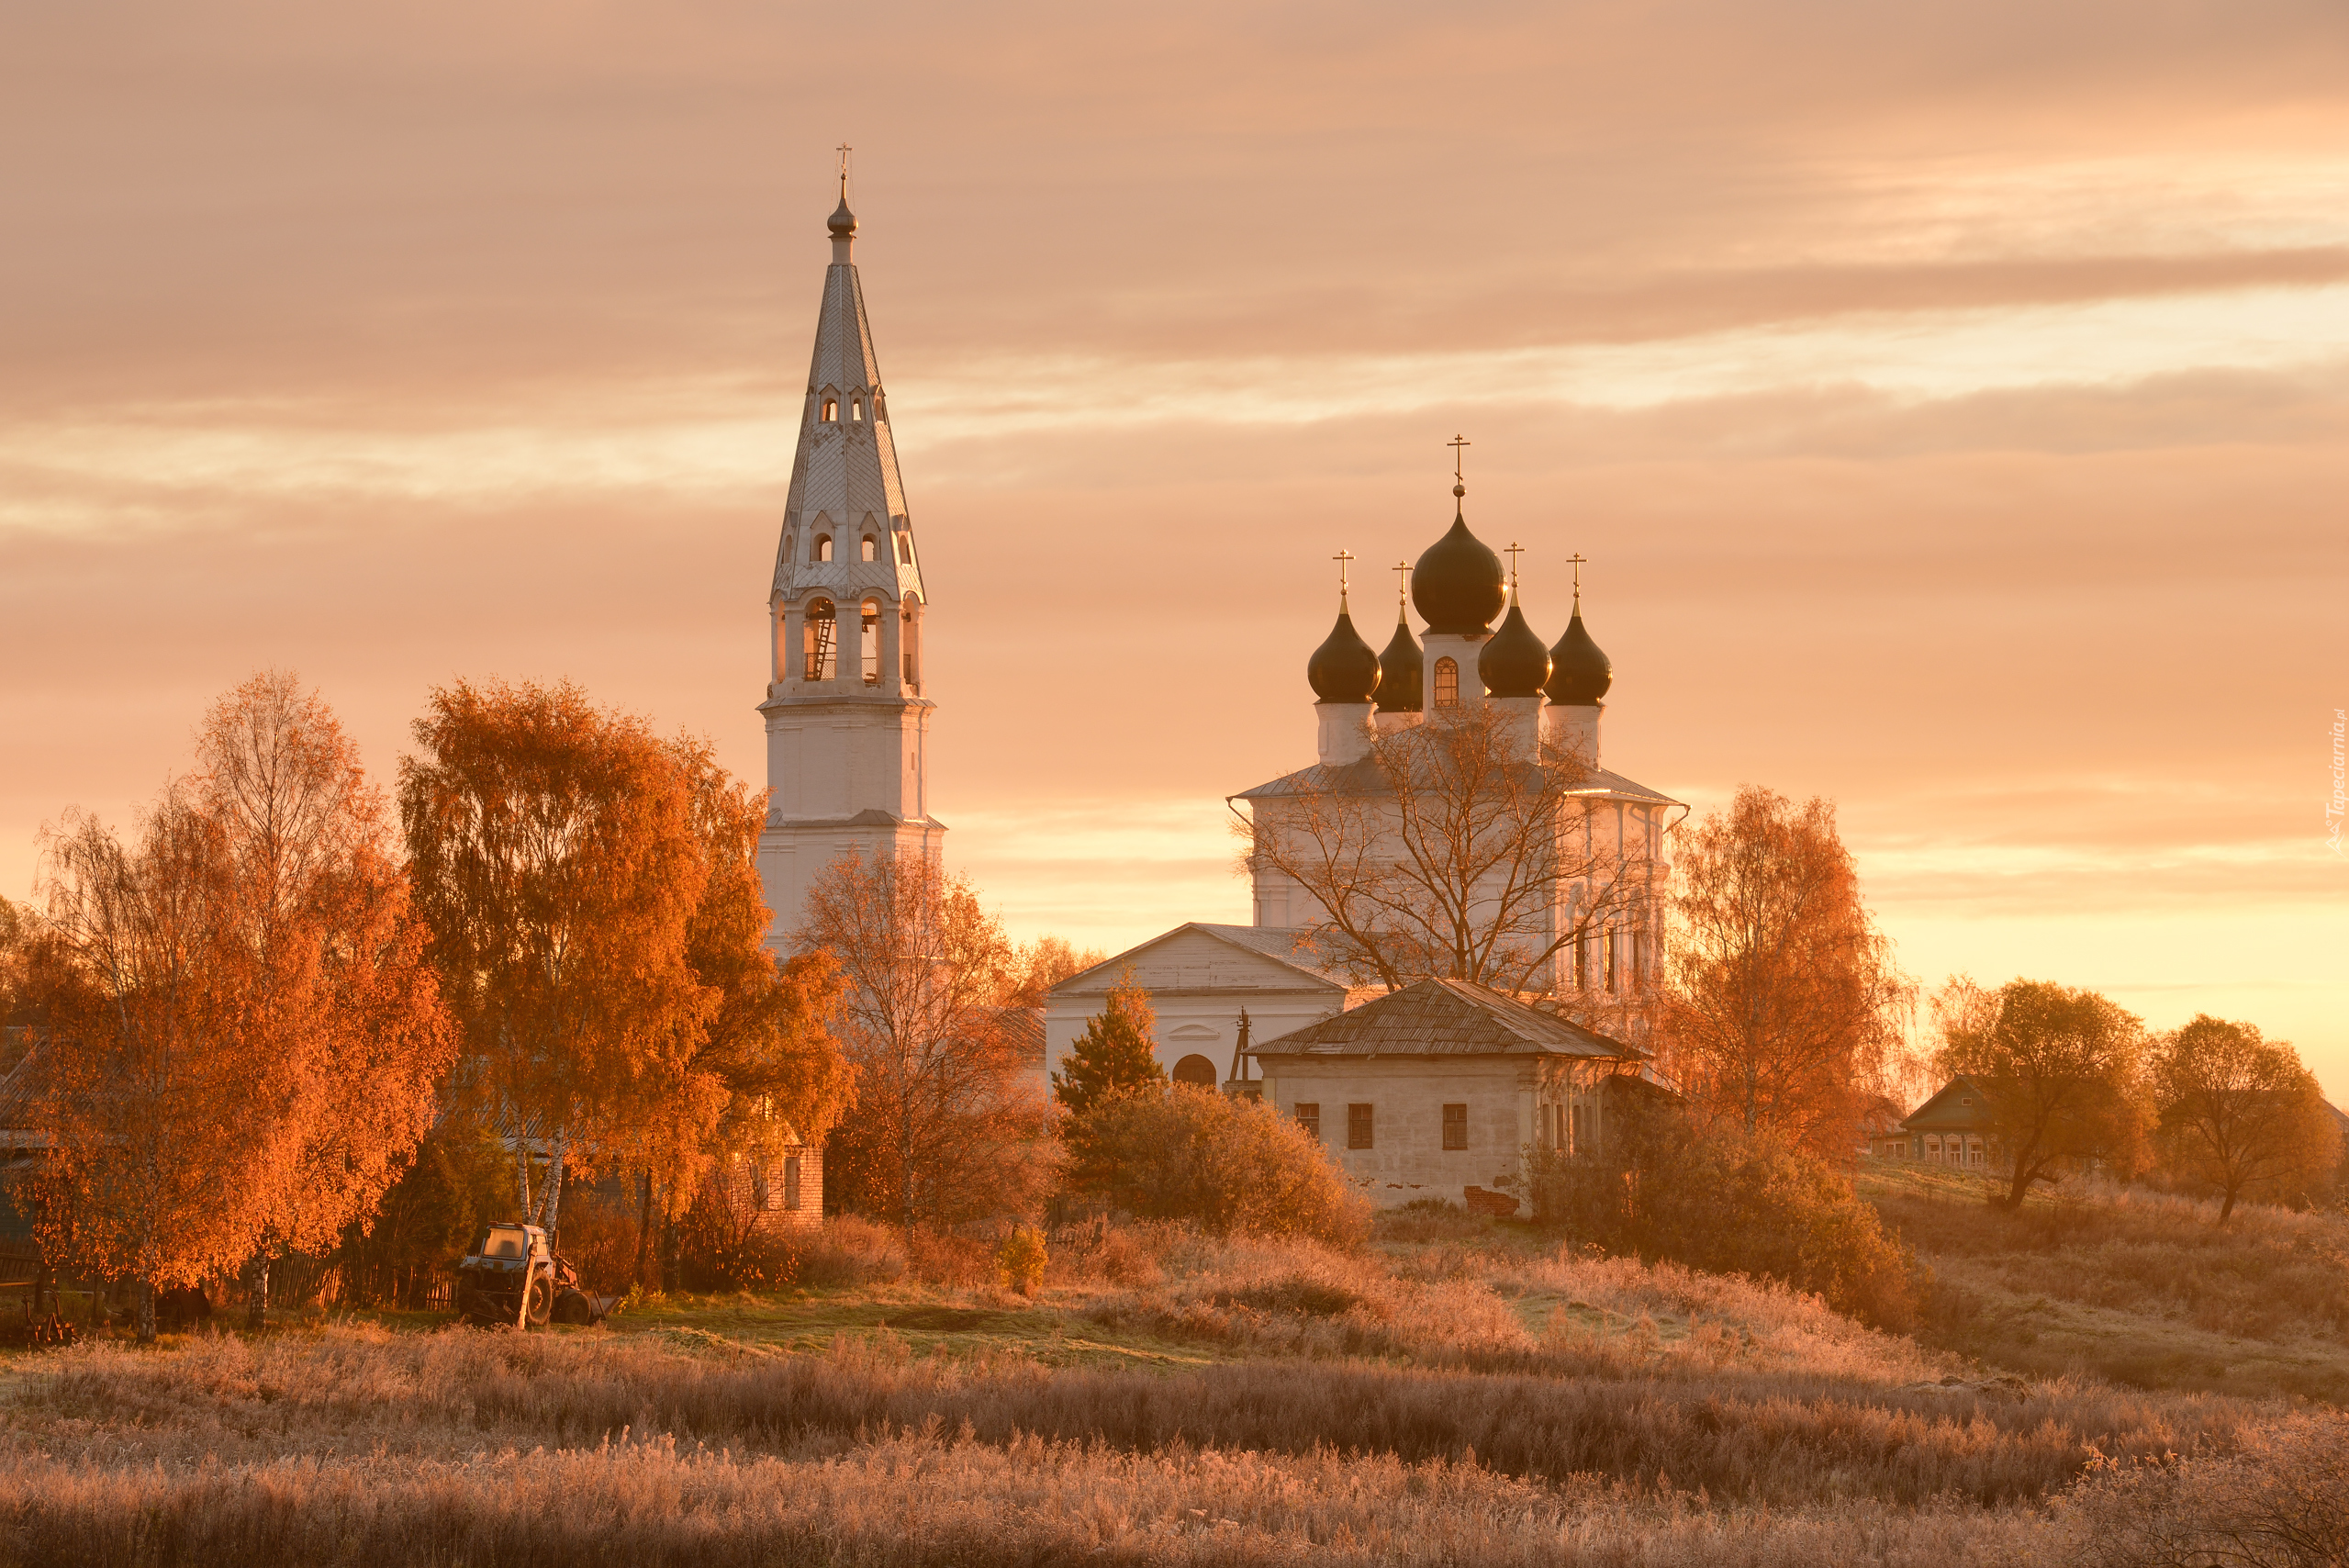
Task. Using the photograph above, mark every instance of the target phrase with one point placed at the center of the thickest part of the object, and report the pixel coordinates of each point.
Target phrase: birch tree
(1782, 1005)
(344, 1034)
(2240, 1113)
(556, 862)
(2060, 1066)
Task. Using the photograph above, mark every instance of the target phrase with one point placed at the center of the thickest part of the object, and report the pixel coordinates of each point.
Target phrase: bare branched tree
(948, 1116)
(1454, 849)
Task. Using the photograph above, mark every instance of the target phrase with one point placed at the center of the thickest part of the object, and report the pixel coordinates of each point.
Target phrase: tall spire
(846, 488)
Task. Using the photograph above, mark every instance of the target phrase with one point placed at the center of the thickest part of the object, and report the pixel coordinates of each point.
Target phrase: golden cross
(1577, 559)
(845, 149)
(1513, 552)
(1342, 558)
(1401, 584)
(1456, 444)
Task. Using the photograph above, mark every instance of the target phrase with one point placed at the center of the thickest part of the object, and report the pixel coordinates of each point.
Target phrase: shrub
(722, 1247)
(1733, 1202)
(1180, 1152)
(598, 1240)
(1020, 1260)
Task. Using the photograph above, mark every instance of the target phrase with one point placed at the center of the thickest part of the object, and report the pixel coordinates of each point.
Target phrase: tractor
(513, 1278)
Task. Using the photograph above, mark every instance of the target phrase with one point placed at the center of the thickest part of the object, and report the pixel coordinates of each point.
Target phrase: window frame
(1361, 1125)
(1455, 1122)
(1308, 1114)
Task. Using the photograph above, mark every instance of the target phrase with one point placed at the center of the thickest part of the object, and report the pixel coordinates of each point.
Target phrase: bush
(1181, 1152)
(1021, 1260)
(1733, 1202)
(719, 1248)
(599, 1238)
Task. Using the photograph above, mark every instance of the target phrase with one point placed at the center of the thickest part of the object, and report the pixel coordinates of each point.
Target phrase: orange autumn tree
(346, 1039)
(761, 1071)
(143, 1081)
(556, 862)
(242, 1042)
(1782, 1005)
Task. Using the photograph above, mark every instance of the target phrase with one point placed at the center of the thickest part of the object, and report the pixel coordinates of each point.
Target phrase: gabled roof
(1363, 778)
(1446, 1017)
(1946, 1108)
(1292, 950)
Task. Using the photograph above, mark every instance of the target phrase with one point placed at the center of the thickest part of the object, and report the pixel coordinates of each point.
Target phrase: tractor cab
(513, 1277)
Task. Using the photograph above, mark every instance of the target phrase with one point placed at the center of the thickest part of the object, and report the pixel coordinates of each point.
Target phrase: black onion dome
(1457, 584)
(1343, 669)
(1578, 673)
(843, 222)
(1514, 664)
(1399, 672)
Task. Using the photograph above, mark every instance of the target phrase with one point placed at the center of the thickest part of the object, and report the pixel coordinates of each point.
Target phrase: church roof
(1446, 1017)
(1292, 949)
(1363, 778)
(845, 479)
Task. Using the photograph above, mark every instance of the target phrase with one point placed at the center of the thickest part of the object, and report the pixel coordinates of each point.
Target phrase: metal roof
(1363, 778)
(1446, 1017)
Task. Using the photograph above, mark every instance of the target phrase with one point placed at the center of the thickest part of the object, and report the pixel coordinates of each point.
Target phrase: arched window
(831, 411)
(905, 548)
(819, 642)
(870, 640)
(909, 637)
(872, 548)
(856, 410)
(1196, 1070)
(820, 548)
(1447, 684)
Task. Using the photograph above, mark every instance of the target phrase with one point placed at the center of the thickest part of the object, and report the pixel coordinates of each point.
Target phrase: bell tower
(847, 725)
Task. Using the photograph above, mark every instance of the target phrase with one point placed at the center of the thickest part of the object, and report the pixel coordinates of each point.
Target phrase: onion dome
(1578, 673)
(1514, 664)
(1343, 669)
(843, 222)
(1399, 672)
(1457, 584)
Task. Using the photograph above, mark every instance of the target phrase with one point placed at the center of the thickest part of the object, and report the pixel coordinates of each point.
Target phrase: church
(848, 730)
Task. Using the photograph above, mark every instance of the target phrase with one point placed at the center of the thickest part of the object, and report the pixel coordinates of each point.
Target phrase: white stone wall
(1506, 1097)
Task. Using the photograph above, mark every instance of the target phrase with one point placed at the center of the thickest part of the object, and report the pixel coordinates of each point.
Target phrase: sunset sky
(1950, 398)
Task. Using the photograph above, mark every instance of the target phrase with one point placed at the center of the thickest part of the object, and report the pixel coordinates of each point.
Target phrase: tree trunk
(553, 1193)
(522, 1180)
(644, 1224)
(256, 1292)
(2227, 1206)
(44, 1289)
(145, 1311)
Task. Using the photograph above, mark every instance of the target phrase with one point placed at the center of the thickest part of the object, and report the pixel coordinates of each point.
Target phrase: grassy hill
(2143, 1289)
(1460, 1391)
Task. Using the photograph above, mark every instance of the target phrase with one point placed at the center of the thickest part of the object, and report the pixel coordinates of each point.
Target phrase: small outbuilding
(1444, 1086)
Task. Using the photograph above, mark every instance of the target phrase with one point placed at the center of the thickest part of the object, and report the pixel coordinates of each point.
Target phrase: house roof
(1446, 1017)
(1960, 1103)
(16, 1091)
(1290, 948)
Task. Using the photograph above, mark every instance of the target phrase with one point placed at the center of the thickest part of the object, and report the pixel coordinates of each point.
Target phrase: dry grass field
(1458, 1393)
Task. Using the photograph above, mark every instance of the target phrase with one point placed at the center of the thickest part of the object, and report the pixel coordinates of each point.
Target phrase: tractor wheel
(574, 1308)
(541, 1303)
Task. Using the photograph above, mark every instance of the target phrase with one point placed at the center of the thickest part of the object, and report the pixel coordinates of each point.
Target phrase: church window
(1358, 1126)
(905, 548)
(910, 639)
(831, 411)
(819, 648)
(872, 550)
(1308, 1113)
(1447, 684)
(1195, 1070)
(856, 410)
(820, 549)
(790, 1181)
(1582, 960)
(1610, 961)
(870, 642)
(1455, 1127)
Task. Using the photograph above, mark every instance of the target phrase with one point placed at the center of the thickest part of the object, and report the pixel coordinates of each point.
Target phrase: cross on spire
(843, 150)
(1402, 584)
(1513, 552)
(1459, 486)
(1343, 557)
(1577, 560)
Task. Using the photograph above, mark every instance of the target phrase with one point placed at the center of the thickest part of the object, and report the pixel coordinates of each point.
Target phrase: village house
(1443, 1087)
(1956, 1126)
